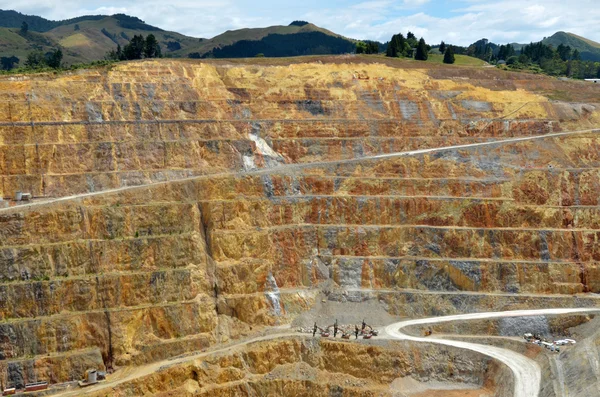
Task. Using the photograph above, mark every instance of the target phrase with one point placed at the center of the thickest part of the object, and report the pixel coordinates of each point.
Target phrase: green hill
(82, 39)
(589, 50)
(89, 38)
(14, 19)
(291, 40)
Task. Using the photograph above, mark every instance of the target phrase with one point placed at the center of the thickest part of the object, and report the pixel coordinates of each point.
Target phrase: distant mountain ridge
(89, 38)
(588, 50)
(14, 19)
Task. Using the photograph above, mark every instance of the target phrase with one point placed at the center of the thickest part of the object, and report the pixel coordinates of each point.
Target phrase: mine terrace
(180, 227)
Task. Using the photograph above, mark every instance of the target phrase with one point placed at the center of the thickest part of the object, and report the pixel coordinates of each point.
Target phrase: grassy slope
(92, 44)
(573, 41)
(89, 43)
(459, 60)
(12, 43)
(84, 45)
(232, 36)
(586, 47)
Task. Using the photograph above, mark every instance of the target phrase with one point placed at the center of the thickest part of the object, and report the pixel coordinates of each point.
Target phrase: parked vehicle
(564, 342)
(37, 386)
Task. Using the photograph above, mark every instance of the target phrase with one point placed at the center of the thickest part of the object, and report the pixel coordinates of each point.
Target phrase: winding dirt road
(526, 372)
(299, 166)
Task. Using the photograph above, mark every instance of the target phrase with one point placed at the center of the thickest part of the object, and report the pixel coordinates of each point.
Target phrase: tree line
(36, 60)
(400, 46)
(137, 48)
(367, 47)
(536, 57)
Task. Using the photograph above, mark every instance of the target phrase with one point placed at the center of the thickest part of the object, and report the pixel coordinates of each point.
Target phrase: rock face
(298, 367)
(145, 273)
(145, 122)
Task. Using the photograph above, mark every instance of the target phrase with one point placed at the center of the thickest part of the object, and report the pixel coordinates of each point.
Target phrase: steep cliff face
(145, 273)
(145, 122)
(298, 367)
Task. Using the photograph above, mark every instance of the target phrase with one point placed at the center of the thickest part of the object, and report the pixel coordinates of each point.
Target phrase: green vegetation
(14, 19)
(400, 46)
(442, 47)
(151, 47)
(422, 51)
(8, 63)
(562, 61)
(137, 48)
(460, 60)
(284, 45)
(367, 47)
(449, 55)
(34, 43)
(54, 58)
(405, 47)
(38, 60)
(587, 49)
(133, 23)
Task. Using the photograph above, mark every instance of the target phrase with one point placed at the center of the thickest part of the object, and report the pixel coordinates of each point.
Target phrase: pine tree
(372, 47)
(54, 58)
(392, 48)
(24, 28)
(421, 54)
(449, 55)
(396, 46)
(442, 47)
(411, 39)
(135, 48)
(576, 56)
(151, 47)
(8, 63)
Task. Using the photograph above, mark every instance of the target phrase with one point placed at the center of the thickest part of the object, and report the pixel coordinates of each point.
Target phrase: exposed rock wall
(143, 122)
(151, 272)
(301, 366)
(155, 271)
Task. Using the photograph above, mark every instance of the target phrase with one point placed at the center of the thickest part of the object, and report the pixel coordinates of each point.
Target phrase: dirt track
(526, 372)
(299, 166)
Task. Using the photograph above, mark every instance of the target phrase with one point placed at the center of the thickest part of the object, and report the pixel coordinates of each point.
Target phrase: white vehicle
(563, 342)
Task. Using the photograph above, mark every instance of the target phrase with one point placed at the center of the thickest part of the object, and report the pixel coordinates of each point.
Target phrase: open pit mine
(336, 226)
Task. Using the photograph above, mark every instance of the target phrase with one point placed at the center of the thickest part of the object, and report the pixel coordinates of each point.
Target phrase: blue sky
(457, 22)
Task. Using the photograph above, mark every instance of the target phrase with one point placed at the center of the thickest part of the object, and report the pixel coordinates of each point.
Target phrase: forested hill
(284, 45)
(14, 19)
(588, 50)
(90, 38)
